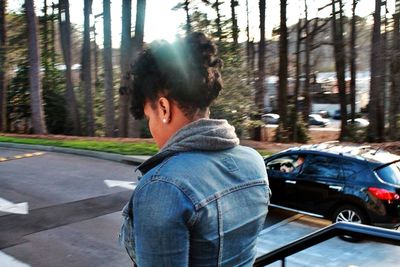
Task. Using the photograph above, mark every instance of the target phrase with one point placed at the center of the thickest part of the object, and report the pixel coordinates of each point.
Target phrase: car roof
(365, 153)
(271, 115)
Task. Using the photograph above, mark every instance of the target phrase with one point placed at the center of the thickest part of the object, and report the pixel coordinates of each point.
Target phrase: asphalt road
(73, 217)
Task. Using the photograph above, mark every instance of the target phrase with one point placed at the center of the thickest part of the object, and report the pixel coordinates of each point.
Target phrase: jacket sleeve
(161, 214)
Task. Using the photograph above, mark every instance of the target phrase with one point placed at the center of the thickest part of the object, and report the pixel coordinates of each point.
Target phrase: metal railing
(360, 231)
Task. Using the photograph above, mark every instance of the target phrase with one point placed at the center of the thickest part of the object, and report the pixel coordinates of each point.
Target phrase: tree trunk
(45, 38)
(283, 67)
(86, 69)
(108, 70)
(260, 90)
(383, 94)
(340, 64)
(135, 125)
(53, 37)
(218, 21)
(3, 67)
(65, 36)
(125, 69)
(297, 85)
(376, 75)
(259, 96)
(95, 53)
(188, 22)
(307, 67)
(353, 57)
(248, 46)
(38, 122)
(235, 29)
(394, 108)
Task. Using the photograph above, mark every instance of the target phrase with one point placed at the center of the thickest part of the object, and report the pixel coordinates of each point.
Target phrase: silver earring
(164, 120)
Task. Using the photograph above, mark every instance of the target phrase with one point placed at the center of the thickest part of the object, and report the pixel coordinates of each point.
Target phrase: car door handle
(290, 182)
(338, 188)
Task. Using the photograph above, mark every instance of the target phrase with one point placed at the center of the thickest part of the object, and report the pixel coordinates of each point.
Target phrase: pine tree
(86, 70)
(3, 67)
(108, 71)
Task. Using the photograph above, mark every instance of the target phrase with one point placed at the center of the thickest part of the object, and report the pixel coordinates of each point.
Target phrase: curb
(126, 159)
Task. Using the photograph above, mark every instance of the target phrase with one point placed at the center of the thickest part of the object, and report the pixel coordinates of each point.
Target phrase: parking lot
(72, 217)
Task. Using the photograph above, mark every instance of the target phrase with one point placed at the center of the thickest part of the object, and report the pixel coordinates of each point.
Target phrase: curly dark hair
(186, 71)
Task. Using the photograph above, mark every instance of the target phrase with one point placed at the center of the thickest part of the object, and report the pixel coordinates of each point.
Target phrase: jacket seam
(225, 192)
(220, 232)
(155, 179)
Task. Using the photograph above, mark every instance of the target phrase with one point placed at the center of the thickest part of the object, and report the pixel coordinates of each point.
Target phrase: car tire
(351, 214)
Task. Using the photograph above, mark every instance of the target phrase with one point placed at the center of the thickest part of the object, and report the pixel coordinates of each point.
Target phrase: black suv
(341, 183)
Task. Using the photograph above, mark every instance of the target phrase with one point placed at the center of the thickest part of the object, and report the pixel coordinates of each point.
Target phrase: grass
(123, 148)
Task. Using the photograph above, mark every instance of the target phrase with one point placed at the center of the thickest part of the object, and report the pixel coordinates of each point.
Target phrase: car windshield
(390, 173)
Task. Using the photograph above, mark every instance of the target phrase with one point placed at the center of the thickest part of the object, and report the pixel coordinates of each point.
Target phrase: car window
(287, 163)
(350, 168)
(390, 173)
(322, 166)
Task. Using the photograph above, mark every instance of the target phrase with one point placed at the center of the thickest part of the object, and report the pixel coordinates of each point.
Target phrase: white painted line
(118, 183)
(281, 223)
(9, 207)
(7, 260)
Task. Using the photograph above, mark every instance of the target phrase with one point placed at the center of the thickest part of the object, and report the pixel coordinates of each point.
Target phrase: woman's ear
(164, 106)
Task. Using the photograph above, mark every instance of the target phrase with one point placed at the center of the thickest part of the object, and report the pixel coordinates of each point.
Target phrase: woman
(202, 200)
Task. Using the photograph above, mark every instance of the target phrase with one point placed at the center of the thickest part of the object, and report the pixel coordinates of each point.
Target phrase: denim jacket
(198, 207)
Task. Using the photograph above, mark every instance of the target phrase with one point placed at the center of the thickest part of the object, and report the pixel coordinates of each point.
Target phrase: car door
(319, 184)
(282, 172)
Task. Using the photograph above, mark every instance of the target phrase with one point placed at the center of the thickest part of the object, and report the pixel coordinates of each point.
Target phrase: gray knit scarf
(203, 134)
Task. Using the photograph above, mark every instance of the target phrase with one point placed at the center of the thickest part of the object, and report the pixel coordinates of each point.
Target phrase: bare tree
(86, 69)
(340, 64)
(297, 84)
(108, 70)
(125, 70)
(353, 56)
(259, 96)
(3, 72)
(95, 52)
(260, 87)
(307, 68)
(38, 122)
(248, 45)
(65, 36)
(283, 67)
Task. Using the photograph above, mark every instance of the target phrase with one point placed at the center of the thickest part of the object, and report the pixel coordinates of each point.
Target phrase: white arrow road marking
(7, 260)
(118, 183)
(9, 207)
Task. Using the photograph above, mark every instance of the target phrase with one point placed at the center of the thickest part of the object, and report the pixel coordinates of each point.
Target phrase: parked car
(323, 113)
(340, 183)
(359, 122)
(316, 119)
(270, 118)
(336, 115)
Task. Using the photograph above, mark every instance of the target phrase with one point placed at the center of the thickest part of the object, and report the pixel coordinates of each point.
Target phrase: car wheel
(351, 214)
